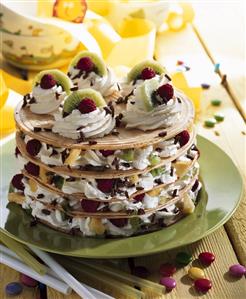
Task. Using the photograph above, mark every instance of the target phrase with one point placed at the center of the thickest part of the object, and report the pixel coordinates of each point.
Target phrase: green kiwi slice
(137, 69)
(73, 100)
(59, 76)
(100, 66)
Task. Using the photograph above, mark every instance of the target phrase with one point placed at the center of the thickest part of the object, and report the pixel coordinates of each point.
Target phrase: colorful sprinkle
(196, 273)
(207, 258)
(205, 86)
(237, 270)
(168, 282)
(167, 269)
(219, 117)
(216, 102)
(13, 289)
(203, 285)
(28, 281)
(183, 258)
(216, 67)
(210, 123)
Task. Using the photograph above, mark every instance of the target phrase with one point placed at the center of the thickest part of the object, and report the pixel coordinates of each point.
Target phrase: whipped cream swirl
(94, 124)
(47, 100)
(162, 116)
(106, 85)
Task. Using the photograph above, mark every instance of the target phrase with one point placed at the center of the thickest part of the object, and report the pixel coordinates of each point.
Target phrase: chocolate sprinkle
(36, 129)
(45, 212)
(162, 134)
(175, 193)
(170, 79)
(74, 88)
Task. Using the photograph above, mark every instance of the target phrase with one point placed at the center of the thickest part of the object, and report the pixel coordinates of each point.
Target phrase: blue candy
(13, 288)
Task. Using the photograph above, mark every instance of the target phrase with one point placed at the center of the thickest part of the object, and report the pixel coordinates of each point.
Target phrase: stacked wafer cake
(105, 158)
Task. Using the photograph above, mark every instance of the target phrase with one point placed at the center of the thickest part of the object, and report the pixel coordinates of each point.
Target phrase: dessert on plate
(96, 165)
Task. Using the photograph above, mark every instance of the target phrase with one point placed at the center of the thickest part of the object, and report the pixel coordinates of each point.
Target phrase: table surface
(199, 49)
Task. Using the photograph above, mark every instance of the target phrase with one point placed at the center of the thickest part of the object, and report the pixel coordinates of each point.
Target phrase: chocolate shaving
(158, 181)
(170, 79)
(118, 86)
(57, 96)
(126, 194)
(40, 196)
(158, 149)
(125, 164)
(47, 129)
(64, 155)
(121, 100)
(45, 212)
(138, 188)
(190, 157)
(171, 171)
(37, 129)
(116, 133)
(74, 88)
(81, 138)
(108, 110)
(54, 152)
(32, 100)
(24, 102)
(133, 103)
(69, 74)
(70, 179)
(162, 134)
(179, 100)
(92, 142)
(127, 97)
(175, 193)
(118, 120)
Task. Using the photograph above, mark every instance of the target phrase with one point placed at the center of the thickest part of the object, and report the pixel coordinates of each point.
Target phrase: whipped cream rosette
(107, 168)
(88, 70)
(49, 91)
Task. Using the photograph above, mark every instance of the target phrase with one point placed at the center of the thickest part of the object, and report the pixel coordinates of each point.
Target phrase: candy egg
(203, 285)
(28, 281)
(13, 288)
(168, 282)
(183, 258)
(196, 273)
(237, 270)
(206, 258)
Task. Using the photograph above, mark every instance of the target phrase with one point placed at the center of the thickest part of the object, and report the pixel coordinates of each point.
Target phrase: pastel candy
(183, 258)
(203, 285)
(196, 273)
(28, 281)
(237, 270)
(13, 289)
(206, 258)
(168, 282)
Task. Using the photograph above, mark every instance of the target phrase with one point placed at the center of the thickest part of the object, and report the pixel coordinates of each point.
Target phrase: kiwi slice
(59, 76)
(137, 69)
(147, 90)
(127, 155)
(76, 97)
(154, 160)
(157, 171)
(100, 67)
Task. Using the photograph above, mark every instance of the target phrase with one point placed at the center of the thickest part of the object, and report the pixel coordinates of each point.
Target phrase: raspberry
(165, 92)
(183, 138)
(17, 182)
(105, 185)
(32, 169)
(85, 64)
(195, 186)
(47, 81)
(90, 206)
(147, 73)
(139, 197)
(119, 222)
(106, 153)
(33, 147)
(86, 106)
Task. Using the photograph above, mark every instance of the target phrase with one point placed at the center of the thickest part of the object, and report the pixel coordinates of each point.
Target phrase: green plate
(220, 196)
